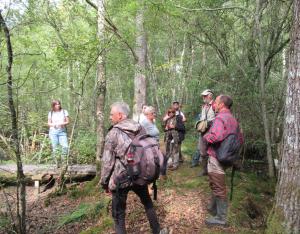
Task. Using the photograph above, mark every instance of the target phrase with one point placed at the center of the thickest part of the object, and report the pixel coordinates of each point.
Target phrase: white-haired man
(113, 164)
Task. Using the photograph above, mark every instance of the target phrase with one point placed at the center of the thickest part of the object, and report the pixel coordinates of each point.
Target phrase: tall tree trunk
(70, 79)
(140, 85)
(153, 85)
(101, 83)
(21, 191)
(288, 187)
(262, 77)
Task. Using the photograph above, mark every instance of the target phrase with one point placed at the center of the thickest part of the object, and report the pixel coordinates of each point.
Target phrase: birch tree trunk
(21, 191)
(140, 85)
(288, 187)
(100, 84)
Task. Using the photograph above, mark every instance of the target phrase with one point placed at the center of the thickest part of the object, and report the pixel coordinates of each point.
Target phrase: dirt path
(180, 212)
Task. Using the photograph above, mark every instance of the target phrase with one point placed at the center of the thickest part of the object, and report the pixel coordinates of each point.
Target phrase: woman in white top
(58, 119)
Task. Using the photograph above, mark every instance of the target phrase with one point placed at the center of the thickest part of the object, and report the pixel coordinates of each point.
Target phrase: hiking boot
(212, 206)
(220, 218)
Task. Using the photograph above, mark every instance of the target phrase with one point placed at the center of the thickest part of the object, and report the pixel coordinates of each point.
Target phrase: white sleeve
(49, 115)
(66, 113)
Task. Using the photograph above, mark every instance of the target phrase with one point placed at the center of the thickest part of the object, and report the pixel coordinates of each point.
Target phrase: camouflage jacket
(117, 142)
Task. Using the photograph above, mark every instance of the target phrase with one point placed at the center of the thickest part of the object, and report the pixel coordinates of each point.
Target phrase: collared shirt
(223, 125)
(208, 112)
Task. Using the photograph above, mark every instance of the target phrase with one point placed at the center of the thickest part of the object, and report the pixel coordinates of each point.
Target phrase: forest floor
(84, 208)
(181, 203)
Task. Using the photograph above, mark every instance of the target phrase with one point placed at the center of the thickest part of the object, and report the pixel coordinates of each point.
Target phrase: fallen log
(43, 173)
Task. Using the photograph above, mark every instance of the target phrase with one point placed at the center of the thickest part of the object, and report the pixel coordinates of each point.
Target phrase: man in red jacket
(223, 125)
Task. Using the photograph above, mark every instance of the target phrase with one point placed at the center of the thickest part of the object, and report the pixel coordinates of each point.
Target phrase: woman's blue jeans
(59, 137)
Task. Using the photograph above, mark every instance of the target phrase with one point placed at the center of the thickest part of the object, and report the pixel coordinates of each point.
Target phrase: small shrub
(89, 189)
(84, 148)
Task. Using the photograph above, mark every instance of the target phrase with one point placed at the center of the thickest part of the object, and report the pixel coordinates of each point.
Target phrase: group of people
(173, 126)
(215, 124)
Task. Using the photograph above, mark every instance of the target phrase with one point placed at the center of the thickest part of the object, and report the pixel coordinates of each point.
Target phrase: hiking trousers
(216, 177)
(119, 198)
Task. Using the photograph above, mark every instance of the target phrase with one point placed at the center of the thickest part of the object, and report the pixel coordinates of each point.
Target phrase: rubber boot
(220, 218)
(212, 206)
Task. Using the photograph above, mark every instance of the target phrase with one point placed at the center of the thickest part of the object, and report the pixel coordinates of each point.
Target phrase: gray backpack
(144, 160)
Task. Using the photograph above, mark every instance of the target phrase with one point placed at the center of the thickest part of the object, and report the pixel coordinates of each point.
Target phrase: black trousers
(119, 198)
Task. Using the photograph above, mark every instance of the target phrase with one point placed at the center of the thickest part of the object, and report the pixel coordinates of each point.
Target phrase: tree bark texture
(21, 201)
(101, 83)
(288, 187)
(140, 85)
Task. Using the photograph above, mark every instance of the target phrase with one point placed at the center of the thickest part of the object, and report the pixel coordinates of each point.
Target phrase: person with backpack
(58, 119)
(202, 126)
(223, 142)
(123, 169)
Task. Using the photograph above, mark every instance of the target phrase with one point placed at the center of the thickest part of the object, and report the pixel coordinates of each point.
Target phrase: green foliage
(84, 147)
(4, 222)
(250, 192)
(275, 222)
(107, 222)
(84, 210)
(90, 188)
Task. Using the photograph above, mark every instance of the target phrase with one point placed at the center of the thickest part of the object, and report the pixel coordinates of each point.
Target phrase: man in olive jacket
(113, 171)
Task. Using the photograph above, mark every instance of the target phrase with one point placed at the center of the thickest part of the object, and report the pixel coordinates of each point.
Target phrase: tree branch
(213, 9)
(115, 30)
(274, 52)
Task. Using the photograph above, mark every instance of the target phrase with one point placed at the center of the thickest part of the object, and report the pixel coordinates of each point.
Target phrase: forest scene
(82, 61)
